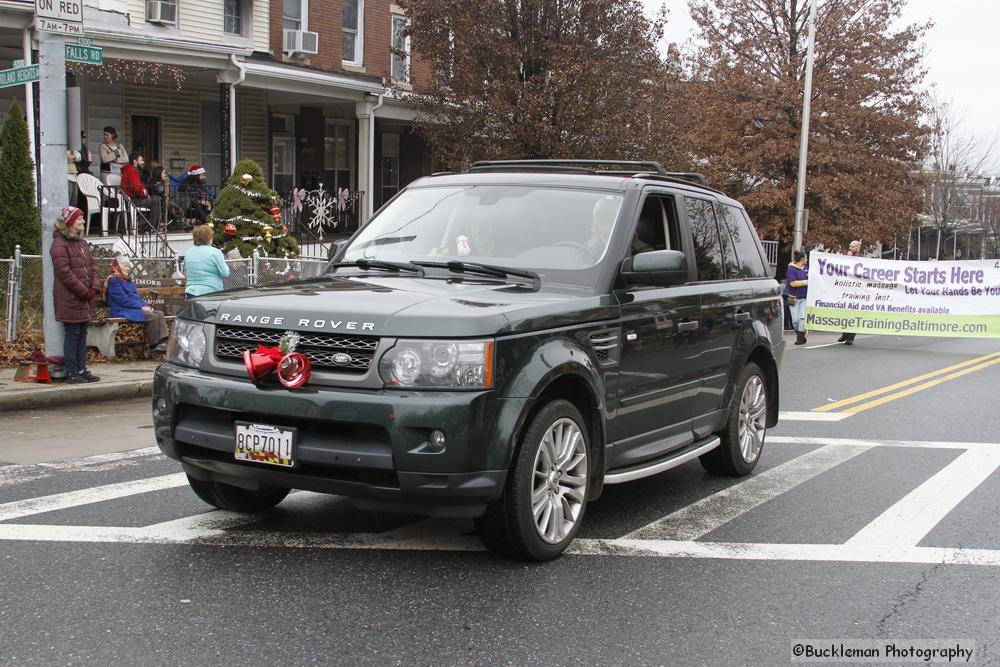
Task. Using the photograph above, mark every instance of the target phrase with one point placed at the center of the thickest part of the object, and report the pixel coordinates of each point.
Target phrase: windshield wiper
(367, 264)
(487, 270)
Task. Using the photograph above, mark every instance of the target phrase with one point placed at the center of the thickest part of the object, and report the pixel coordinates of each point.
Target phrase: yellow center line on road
(983, 362)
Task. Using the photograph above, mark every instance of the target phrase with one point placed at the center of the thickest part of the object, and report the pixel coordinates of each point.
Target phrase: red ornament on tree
(276, 212)
(230, 229)
(284, 229)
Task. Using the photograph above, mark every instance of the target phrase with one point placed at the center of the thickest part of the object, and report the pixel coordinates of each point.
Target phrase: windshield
(561, 234)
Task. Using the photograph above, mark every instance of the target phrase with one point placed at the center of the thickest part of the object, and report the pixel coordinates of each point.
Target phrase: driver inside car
(604, 214)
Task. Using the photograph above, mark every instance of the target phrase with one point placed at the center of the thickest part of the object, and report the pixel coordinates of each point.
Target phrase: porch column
(366, 153)
(366, 161)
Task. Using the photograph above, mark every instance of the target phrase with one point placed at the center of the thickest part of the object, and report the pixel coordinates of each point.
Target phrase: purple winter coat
(75, 273)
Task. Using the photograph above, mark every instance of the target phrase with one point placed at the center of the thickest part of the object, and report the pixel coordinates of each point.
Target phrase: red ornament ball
(284, 229)
(230, 229)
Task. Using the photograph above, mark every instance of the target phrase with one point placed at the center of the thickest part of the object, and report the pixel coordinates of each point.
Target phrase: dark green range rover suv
(497, 344)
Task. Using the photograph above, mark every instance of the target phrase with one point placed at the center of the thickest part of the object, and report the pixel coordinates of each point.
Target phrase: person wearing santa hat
(76, 285)
(194, 186)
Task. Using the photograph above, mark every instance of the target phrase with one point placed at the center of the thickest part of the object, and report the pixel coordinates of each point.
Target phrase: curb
(90, 393)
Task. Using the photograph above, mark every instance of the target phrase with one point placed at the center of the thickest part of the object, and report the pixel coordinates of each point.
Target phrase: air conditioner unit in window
(158, 11)
(301, 41)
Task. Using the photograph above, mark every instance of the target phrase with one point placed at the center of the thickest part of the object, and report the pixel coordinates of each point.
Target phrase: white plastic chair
(91, 189)
(113, 186)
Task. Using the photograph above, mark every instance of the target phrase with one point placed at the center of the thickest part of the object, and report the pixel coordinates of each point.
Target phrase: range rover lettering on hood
(343, 325)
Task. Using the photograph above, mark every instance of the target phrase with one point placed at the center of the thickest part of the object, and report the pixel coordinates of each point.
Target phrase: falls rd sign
(63, 16)
(84, 53)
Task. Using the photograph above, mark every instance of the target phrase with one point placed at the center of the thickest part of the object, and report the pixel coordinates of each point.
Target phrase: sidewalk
(118, 380)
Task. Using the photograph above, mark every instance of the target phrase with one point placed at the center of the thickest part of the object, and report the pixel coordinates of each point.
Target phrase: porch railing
(319, 217)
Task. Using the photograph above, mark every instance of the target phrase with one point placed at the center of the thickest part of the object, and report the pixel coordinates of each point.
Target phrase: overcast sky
(962, 52)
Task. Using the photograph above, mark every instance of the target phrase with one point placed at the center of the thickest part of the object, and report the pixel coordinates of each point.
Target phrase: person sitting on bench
(124, 301)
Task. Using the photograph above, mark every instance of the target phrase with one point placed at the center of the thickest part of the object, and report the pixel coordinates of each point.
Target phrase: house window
(390, 166)
(338, 155)
(353, 31)
(400, 50)
(292, 17)
(233, 20)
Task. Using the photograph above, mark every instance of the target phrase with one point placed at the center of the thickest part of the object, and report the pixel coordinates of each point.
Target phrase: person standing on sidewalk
(853, 250)
(204, 265)
(76, 285)
(797, 278)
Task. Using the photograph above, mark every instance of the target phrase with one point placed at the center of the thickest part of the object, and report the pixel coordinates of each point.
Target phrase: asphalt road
(875, 518)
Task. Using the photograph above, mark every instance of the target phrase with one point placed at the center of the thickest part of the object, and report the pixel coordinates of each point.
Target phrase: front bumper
(370, 445)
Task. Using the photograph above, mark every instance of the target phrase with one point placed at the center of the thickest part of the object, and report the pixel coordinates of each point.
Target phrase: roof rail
(686, 176)
(632, 165)
(527, 166)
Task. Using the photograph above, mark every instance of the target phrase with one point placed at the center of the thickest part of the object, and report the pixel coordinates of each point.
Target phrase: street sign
(64, 16)
(64, 27)
(60, 10)
(18, 76)
(84, 53)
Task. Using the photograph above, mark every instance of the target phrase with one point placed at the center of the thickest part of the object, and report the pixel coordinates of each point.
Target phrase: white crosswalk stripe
(892, 537)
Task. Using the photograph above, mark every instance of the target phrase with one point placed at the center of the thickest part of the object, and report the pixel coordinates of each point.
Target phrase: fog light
(294, 369)
(160, 407)
(437, 439)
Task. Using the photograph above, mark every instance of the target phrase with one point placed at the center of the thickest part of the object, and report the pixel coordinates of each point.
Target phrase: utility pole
(800, 191)
(54, 188)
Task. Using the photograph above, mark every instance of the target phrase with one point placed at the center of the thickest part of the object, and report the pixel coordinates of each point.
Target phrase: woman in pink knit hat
(76, 285)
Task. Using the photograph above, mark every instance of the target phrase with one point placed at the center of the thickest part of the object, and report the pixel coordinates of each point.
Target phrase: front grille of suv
(320, 348)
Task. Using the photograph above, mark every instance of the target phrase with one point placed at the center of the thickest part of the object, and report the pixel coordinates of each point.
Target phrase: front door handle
(742, 316)
(687, 326)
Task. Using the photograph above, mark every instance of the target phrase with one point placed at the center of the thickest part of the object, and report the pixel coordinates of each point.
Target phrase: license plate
(263, 443)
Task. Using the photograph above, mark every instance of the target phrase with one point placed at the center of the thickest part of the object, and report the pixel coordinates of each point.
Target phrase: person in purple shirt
(797, 284)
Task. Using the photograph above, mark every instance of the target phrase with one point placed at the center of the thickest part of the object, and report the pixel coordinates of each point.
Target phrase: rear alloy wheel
(235, 499)
(544, 501)
(746, 426)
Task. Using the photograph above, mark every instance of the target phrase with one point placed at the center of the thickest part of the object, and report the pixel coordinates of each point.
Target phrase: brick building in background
(336, 95)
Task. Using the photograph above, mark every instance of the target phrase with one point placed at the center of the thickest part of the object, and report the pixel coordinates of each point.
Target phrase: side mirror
(335, 248)
(656, 267)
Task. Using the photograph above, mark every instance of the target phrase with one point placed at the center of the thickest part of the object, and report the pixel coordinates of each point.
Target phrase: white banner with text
(903, 298)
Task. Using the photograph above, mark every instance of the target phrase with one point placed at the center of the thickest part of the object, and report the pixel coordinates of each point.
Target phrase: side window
(707, 251)
(657, 226)
(742, 253)
(649, 233)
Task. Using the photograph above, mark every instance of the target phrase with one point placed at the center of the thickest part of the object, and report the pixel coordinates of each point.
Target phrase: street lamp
(800, 191)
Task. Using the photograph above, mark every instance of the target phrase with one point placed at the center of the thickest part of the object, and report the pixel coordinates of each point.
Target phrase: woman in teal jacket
(204, 265)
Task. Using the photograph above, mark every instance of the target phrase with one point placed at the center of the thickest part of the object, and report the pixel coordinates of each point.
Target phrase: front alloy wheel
(560, 479)
(545, 497)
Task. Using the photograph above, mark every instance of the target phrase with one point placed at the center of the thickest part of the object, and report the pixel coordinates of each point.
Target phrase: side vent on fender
(605, 346)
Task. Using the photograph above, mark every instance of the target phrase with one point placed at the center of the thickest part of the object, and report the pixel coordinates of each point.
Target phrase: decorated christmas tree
(246, 216)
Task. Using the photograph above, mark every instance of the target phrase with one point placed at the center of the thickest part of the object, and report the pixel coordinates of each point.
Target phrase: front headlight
(438, 364)
(187, 343)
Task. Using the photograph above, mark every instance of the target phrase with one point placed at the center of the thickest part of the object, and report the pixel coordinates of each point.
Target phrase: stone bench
(102, 334)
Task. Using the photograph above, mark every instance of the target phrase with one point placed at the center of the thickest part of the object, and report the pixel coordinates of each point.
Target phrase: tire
(549, 474)
(746, 426)
(235, 499)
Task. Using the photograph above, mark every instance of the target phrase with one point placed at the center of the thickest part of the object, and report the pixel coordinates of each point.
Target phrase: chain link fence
(6, 294)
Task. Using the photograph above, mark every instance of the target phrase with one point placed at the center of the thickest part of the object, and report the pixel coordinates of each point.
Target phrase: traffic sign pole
(52, 92)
